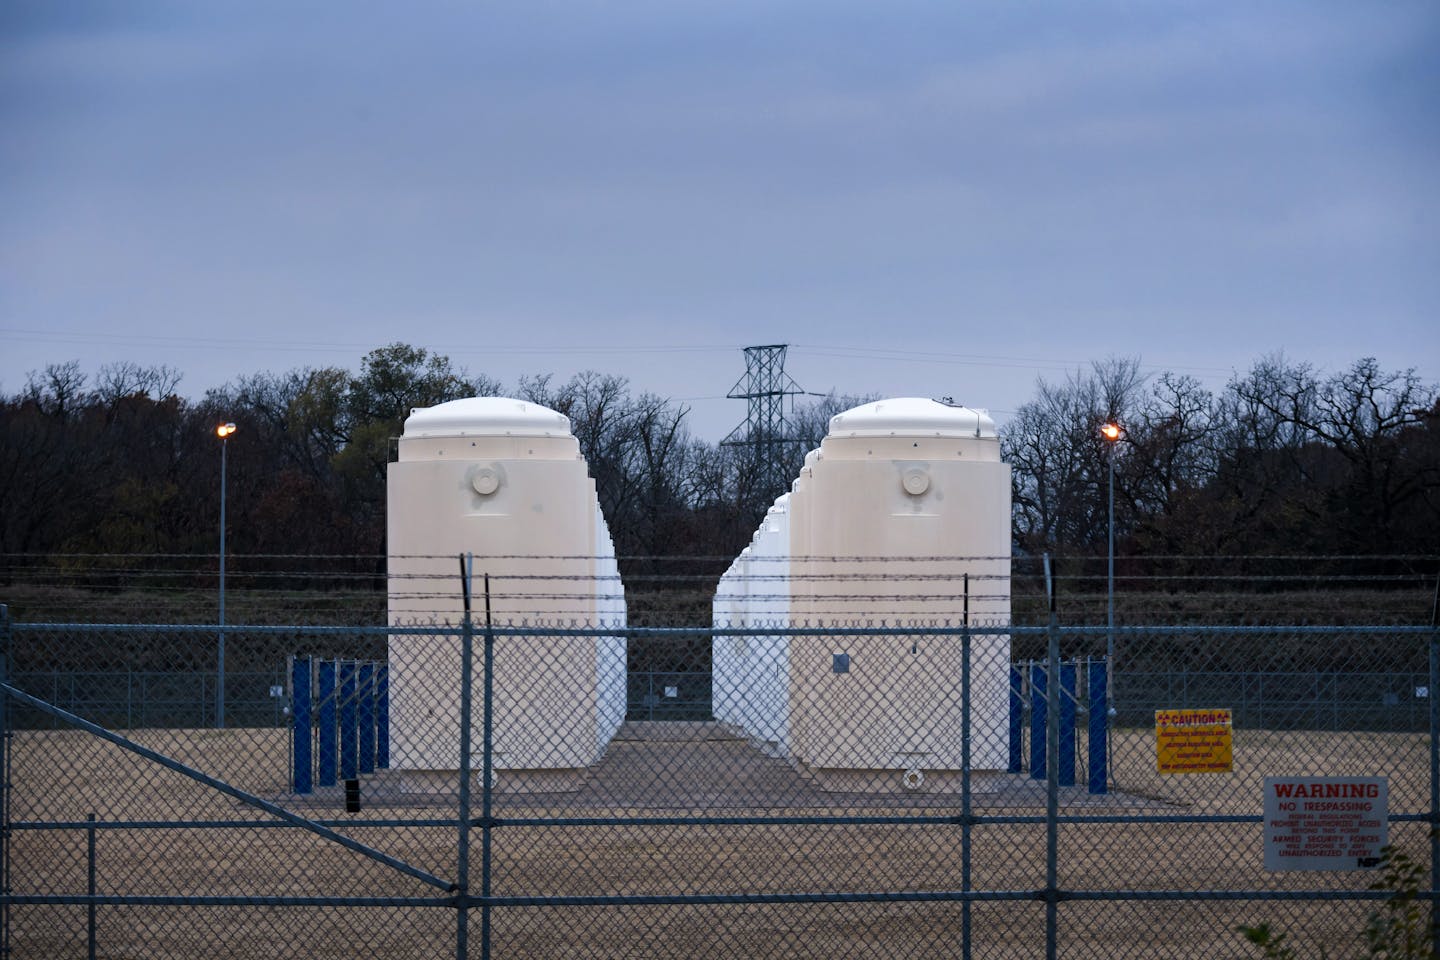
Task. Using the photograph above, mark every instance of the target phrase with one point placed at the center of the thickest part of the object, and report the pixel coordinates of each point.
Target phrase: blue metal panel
(1065, 752)
(349, 717)
(300, 774)
(1017, 721)
(1039, 712)
(365, 716)
(382, 716)
(328, 769)
(1099, 727)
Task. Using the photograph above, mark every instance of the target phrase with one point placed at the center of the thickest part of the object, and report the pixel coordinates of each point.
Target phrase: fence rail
(835, 792)
(1293, 699)
(129, 699)
(1285, 699)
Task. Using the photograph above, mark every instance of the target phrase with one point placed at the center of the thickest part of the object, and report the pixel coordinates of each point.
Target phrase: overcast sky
(923, 198)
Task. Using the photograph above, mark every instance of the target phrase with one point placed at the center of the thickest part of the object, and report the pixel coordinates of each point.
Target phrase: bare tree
(58, 390)
(1058, 461)
(1170, 456)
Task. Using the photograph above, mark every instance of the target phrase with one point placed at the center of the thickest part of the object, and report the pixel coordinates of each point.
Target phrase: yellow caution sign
(1193, 741)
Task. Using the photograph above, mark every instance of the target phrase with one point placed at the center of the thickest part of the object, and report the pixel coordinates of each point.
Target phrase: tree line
(119, 463)
(1283, 460)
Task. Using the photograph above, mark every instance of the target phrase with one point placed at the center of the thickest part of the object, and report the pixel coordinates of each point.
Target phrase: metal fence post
(5, 736)
(965, 778)
(1243, 717)
(488, 772)
(220, 677)
(462, 857)
(1434, 695)
(90, 885)
(1052, 778)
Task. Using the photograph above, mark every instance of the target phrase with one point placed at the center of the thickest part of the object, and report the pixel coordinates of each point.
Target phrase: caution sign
(1193, 741)
(1325, 823)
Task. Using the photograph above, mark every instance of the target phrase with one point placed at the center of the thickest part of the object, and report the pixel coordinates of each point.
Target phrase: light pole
(225, 431)
(1110, 431)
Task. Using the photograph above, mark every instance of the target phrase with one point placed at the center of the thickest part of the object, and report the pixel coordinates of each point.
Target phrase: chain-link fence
(910, 790)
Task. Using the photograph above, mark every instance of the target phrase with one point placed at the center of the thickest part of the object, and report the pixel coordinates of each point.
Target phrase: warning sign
(1193, 741)
(1325, 823)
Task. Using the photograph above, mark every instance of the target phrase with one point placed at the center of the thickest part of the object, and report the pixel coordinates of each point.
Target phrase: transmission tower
(765, 385)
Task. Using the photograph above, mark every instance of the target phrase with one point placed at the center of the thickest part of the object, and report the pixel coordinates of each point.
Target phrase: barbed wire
(173, 586)
(235, 562)
(1035, 558)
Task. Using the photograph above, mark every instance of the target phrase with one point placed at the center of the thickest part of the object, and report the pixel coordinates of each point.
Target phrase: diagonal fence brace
(243, 796)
